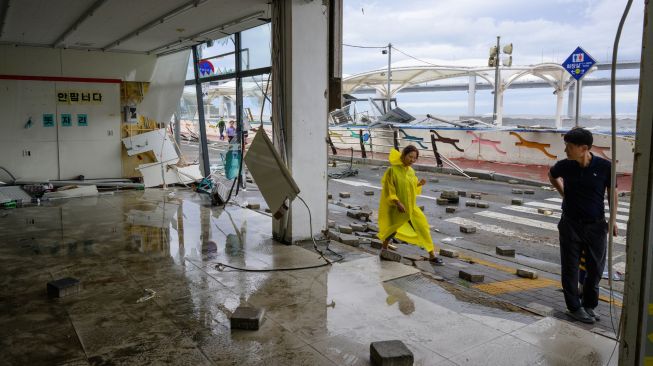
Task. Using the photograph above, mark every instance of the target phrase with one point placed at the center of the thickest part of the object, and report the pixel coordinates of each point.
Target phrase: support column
(560, 95)
(301, 61)
(571, 101)
(636, 346)
(471, 96)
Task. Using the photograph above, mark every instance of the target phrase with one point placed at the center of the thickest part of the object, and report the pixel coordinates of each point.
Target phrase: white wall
(42, 153)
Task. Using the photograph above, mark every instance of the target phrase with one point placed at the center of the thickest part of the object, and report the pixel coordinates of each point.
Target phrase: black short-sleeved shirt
(584, 188)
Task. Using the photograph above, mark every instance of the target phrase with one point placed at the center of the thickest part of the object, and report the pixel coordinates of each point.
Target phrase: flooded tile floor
(170, 241)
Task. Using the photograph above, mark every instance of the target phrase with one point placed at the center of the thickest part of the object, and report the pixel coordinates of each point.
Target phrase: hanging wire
(414, 58)
(357, 46)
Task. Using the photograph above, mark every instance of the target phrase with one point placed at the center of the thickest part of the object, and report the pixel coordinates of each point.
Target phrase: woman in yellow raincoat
(399, 215)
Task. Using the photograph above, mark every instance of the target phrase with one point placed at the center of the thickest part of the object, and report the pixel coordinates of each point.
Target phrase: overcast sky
(459, 32)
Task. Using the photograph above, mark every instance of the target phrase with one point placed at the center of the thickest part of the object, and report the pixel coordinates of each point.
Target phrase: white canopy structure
(402, 77)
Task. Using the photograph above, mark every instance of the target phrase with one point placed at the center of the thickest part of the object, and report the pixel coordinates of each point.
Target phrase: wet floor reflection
(171, 240)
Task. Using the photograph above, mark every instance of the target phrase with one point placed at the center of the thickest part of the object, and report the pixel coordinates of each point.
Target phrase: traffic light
(507, 61)
(507, 49)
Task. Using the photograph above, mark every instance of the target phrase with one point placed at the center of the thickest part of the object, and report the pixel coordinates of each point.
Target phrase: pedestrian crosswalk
(495, 220)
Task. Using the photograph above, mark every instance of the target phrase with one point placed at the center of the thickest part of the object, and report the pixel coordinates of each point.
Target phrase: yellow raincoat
(400, 183)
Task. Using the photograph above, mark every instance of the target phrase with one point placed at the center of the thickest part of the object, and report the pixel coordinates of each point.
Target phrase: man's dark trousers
(576, 235)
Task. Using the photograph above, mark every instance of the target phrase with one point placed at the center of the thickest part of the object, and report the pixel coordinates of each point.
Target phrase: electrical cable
(414, 58)
(221, 266)
(357, 46)
(613, 174)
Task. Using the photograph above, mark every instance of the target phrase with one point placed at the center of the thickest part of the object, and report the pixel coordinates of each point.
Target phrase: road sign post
(578, 64)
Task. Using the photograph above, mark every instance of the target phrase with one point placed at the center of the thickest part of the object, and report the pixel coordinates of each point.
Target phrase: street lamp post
(496, 80)
(494, 60)
(388, 93)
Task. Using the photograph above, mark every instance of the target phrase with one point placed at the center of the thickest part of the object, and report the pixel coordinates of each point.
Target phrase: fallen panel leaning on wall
(270, 173)
(81, 191)
(156, 141)
(172, 174)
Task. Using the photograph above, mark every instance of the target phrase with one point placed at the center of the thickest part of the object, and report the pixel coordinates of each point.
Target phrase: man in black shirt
(582, 180)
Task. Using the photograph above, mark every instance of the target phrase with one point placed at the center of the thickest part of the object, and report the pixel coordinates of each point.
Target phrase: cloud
(459, 32)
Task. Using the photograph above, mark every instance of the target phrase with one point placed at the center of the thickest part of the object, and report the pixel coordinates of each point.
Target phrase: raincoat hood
(395, 157)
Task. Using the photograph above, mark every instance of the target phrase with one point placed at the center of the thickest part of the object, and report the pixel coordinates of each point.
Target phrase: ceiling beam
(87, 14)
(160, 20)
(4, 9)
(221, 28)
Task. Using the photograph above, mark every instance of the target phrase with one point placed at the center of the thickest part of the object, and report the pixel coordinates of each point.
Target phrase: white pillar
(580, 100)
(303, 66)
(560, 94)
(471, 96)
(571, 100)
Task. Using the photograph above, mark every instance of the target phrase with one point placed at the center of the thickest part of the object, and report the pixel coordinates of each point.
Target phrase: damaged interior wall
(64, 110)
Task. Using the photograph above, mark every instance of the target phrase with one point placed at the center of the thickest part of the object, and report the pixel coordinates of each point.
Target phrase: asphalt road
(533, 235)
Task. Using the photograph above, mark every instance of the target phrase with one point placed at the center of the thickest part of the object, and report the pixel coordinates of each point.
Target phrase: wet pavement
(170, 241)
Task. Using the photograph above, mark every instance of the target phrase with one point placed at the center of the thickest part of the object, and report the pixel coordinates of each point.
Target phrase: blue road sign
(578, 63)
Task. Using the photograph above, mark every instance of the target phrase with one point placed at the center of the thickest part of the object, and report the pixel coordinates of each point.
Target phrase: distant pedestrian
(231, 131)
(582, 180)
(221, 126)
(399, 215)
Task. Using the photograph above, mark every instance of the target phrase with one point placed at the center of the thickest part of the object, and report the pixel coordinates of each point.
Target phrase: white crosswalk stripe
(622, 207)
(531, 222)
(620, 218)
(497, 230)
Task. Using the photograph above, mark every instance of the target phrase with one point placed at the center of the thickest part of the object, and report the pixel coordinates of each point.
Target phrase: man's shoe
(581, 315)
(593, 314)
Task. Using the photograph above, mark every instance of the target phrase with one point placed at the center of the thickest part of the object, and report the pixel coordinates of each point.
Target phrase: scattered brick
(476, 196)
(482, 204)
(345, 229)
(467, 229)
(470, 203)
(254, 206)
(372, 227)
(333, 235)
(332, 223)
(390, 353)
(348, 239)
(329, 196)
(442, 201)
(451, 253)
(526, 273)
(505, 251)
(517, 191)
(376, 244)
(345, 194)
(390, 256)
(529, 191)
(513, 181)
(451, 196)
(369, 193)
(63, 287)
(544, 211)
(462, 194)
(248, 318)
(358, 227)
(517, 201)
(450, 209)
(470, 276)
